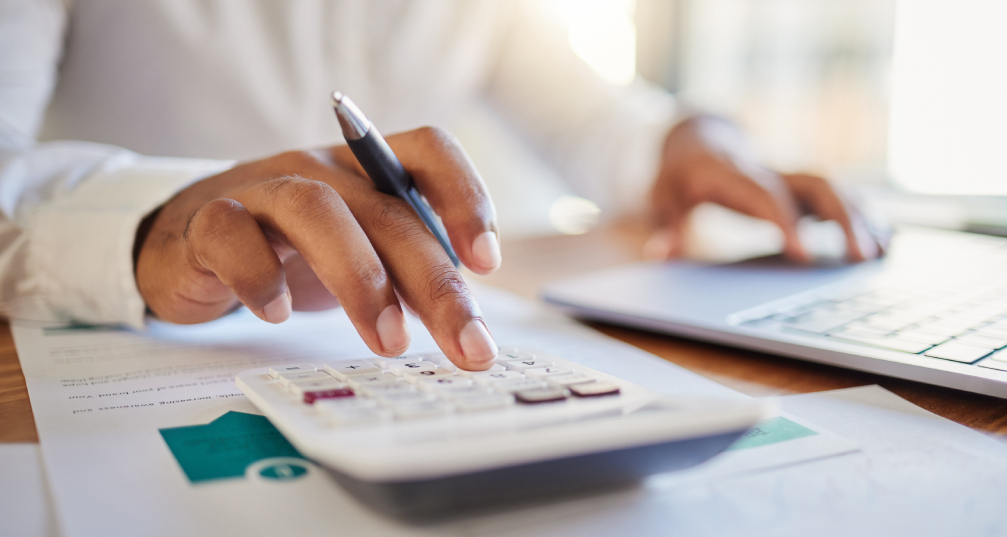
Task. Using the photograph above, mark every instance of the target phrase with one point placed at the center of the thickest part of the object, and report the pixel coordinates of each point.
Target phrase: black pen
(382, 166)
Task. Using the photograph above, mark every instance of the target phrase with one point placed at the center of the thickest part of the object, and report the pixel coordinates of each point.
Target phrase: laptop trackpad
(684, 290)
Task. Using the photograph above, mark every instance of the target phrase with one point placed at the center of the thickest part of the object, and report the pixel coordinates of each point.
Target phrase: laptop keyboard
(962, 321)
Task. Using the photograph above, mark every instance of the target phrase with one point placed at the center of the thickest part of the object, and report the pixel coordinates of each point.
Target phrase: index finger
(448, 179)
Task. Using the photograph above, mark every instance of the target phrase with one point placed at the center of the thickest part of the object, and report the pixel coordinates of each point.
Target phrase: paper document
(916, 474)
(146, 433)
(776, 442)
(25, 507)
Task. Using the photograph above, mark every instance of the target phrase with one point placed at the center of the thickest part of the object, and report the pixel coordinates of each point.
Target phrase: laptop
(934, 310)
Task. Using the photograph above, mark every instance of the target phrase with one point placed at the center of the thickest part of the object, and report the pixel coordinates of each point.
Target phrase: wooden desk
(530, 262)
(17, 424)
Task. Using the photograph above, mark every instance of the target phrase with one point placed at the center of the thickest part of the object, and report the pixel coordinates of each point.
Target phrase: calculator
(417, 437)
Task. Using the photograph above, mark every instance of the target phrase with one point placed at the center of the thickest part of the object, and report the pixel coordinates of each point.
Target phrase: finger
(448, 179)
(306, 290)
(223, 239)
(818, 195)
(760, 193)
(672, 208)
(312, 218)
(424, 276)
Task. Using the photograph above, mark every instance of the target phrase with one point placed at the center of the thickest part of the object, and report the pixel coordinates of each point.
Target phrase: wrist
(142, 232)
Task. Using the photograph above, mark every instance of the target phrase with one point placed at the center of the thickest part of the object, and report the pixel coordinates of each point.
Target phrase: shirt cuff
(81, 243)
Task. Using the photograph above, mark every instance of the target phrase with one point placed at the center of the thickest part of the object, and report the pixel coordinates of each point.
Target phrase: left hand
(706, 159)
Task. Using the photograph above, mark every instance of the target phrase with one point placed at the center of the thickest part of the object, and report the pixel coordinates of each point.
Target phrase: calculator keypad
(546, 394)
(524, 365)
(336, 393)
(401, 369)
(342, 370)
(287, 378)
(278, 370)
(426, 386)
(300, 387)
(594, 389)
(493, 377)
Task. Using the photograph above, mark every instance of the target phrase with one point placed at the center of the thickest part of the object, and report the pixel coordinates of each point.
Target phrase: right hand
(708, 159)
(308, 231)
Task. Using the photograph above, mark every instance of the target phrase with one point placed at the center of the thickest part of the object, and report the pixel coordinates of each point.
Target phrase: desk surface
(530, 262)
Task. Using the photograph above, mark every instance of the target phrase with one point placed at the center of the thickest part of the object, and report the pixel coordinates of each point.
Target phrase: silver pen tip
(354, 123)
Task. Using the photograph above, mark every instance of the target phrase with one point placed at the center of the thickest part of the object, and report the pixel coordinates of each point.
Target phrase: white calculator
(415, 436)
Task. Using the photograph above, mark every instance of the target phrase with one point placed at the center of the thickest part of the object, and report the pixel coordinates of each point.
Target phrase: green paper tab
(226, 446)
(772, 431)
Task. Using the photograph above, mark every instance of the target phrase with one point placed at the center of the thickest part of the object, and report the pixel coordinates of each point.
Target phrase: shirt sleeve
(604, 140)
(69, 210)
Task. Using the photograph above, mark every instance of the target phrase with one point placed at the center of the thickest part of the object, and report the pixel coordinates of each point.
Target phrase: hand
(308, 231)
(706, 159)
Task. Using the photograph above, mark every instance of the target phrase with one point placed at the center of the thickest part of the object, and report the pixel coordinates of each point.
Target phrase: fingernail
(658, 246)
(279, 309)
(486, 251)
(477, 344)
(392, 330)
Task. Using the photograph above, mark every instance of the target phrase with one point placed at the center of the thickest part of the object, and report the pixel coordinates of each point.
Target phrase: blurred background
(901, 100)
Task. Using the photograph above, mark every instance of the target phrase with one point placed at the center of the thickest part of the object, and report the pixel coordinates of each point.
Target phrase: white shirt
(109, 107)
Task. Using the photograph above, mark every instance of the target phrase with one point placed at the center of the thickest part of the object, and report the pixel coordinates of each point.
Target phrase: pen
(382, 166)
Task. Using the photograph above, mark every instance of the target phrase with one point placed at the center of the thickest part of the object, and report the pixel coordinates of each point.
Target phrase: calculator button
(423, 409)
(547, 371)
(295, 368)
(439, 359)
(456, 392)
(496, 368)
(327, 405)
(401, 368)
(448, 365)
(540, 395)
(359, 416)
(366, 412)
(374, 390)
(342, 370)
(286, 378)
(514, 353)
(523, 365)
(311, 397)
(424, 374)
(569, 380)
(594, 389)
(398, 398)
(434, 384)
(487, 379)
(479, 403)
(386, 363)
(511, 386)
(298, 387)
(372, 380)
